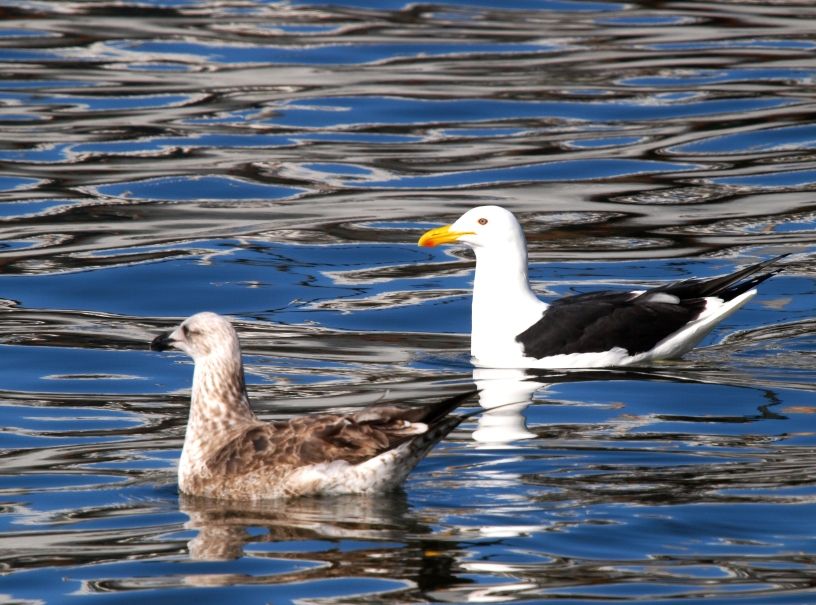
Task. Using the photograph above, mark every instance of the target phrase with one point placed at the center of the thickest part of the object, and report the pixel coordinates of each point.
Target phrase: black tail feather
(429, 414)
(726, 287)
(433, 413)
(443, 408)
(733, 291)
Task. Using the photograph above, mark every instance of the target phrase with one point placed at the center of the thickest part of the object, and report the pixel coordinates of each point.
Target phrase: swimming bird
(229, 453)
(512, 327)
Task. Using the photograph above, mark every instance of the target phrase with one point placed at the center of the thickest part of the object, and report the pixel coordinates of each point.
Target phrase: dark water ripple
(276, 161)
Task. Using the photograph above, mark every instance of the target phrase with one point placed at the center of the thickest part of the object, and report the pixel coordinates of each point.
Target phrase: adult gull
(512, 327)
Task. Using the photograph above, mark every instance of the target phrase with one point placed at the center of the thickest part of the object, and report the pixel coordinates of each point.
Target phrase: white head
(503, 303)
(204, 335)
(480, 227)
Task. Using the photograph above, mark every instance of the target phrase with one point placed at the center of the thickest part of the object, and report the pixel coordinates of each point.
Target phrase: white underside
(379, 474)
(496, 347)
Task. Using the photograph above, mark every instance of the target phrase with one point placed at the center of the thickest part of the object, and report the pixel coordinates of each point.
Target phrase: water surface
(276, 162)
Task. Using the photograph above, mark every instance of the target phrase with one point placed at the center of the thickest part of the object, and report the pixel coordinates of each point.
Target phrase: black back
(599, 321)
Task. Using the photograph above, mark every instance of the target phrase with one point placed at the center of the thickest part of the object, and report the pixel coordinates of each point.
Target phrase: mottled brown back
(319, 438)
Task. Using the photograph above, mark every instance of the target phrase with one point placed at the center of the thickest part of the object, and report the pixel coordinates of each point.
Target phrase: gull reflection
(360, 536)
(225, 527)
(504, 393)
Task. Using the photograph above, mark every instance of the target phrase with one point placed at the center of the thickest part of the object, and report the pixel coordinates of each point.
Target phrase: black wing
(600, 321)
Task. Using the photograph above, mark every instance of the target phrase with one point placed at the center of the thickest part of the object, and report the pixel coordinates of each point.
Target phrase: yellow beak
(441, 235)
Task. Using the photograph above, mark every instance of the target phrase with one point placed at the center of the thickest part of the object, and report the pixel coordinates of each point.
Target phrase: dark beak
(162, 342)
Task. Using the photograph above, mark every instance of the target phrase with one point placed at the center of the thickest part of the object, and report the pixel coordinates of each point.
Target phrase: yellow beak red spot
(441, 235)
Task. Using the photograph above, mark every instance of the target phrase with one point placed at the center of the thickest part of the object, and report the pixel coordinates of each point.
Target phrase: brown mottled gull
(229, 453)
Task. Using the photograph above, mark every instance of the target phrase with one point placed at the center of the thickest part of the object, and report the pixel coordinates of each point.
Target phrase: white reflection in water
(511, 390)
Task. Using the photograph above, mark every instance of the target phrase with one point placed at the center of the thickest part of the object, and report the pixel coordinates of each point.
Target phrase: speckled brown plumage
(229, 453)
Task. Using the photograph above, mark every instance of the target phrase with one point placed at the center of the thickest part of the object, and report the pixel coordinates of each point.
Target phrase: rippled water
(276, 162)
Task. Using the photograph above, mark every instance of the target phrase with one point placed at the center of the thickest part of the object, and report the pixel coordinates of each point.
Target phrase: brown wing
(314, 439)
(327, 437)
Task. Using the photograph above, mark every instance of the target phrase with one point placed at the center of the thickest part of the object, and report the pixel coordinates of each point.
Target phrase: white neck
(503, 303)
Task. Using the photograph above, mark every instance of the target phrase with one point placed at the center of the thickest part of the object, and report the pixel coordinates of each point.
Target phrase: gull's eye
(483, 221)
(189, 332)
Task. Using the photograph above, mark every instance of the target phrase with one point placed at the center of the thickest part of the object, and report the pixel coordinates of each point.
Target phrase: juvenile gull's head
(204, 335)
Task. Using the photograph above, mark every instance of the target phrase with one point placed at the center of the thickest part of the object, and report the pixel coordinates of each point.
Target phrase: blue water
(276, 162)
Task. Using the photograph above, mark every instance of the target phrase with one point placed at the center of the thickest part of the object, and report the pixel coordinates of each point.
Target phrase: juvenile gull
(229, 453)
(511, 327)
